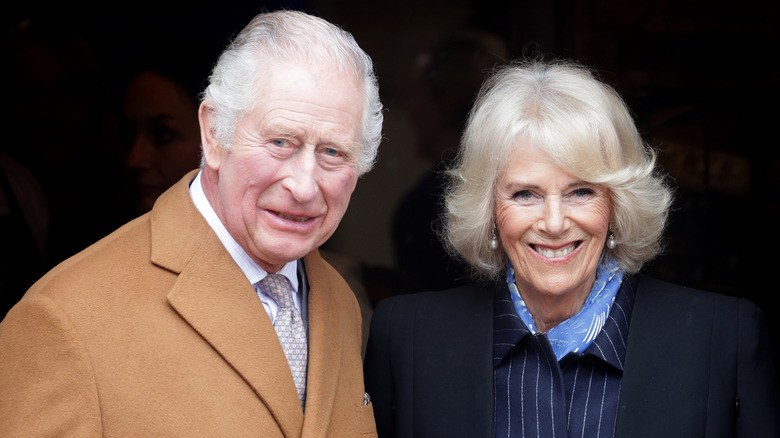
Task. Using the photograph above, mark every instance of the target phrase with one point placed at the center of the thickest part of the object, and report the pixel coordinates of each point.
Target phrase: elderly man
(214, 315)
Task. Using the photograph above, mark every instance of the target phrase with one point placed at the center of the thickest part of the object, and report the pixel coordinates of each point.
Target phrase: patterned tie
(289, 328)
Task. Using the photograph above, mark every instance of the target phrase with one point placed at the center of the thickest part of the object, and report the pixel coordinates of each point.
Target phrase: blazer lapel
(213, 296)
(664, 390)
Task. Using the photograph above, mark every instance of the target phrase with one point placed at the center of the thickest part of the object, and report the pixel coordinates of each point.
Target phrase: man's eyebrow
(275, 129)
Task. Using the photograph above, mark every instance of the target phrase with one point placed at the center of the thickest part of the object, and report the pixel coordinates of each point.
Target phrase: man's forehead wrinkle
(307, 109)
(284, 122)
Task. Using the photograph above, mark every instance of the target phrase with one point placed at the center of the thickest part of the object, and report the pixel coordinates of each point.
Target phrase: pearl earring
(611, 244)
(493, 239)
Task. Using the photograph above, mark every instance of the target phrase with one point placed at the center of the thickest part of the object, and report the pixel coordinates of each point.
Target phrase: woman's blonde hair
(585, 127)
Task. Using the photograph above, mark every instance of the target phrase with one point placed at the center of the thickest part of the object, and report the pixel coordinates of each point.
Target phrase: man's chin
(281, 254)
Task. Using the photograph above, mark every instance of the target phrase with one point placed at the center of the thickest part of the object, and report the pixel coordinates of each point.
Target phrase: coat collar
(326, 346)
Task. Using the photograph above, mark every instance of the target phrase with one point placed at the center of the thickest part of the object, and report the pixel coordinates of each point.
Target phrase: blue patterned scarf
(576, 333)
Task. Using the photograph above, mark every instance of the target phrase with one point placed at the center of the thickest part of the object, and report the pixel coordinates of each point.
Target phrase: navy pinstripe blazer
(698, 364)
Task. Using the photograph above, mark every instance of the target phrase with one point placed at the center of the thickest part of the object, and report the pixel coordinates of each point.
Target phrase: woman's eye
(523, 194)
(585, 191)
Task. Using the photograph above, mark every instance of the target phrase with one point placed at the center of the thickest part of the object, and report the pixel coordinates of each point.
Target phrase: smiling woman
(553, 230)
(555, 203)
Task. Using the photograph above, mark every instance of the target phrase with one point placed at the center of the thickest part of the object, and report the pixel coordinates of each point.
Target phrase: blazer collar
(610, 343)
(177, 228)
(669, 357)
(508, 328)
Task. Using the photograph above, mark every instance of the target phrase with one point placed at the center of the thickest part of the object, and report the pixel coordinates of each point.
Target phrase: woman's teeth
(555, 253)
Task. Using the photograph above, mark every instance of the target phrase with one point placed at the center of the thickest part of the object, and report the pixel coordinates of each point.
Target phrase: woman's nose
(554, 216)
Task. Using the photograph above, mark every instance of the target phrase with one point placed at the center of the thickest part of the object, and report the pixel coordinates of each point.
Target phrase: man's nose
(302, 176)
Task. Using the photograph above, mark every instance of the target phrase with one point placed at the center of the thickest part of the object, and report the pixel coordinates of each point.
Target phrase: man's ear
(212, 149)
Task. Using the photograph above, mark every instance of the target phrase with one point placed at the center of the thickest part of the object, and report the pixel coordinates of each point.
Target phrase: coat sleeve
(758, 414)
(47, 387)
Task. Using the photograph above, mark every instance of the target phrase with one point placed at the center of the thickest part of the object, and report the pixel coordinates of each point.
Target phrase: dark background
(701, 77)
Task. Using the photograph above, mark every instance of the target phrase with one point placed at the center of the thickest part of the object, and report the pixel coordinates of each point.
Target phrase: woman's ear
(212, 149)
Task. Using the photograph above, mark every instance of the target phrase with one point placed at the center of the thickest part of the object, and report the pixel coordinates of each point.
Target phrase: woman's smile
(556, 253)
(553, 227)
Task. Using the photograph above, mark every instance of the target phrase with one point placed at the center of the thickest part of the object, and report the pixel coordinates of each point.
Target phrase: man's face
(285, 183)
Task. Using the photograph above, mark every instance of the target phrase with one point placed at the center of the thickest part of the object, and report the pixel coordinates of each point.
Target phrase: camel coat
(154, 331)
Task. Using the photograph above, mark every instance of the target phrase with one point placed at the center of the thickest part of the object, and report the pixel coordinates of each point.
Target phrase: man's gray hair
(290, 36)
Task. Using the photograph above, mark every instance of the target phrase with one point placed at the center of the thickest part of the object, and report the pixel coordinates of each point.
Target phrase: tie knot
(278, 287)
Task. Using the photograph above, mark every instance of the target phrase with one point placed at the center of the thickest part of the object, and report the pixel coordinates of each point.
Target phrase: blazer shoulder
(679, 315)
(655, 290)
(463, 298)
(682, 340)
(444, 317)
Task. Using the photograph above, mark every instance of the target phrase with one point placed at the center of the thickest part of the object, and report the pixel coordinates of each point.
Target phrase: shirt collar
(609, 345)
(249, 267)
(576, 333)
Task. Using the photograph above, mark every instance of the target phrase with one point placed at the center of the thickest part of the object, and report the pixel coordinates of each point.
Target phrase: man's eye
(331, 152)
(279, 143)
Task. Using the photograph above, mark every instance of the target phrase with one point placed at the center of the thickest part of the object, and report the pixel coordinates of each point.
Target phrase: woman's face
(552, 226)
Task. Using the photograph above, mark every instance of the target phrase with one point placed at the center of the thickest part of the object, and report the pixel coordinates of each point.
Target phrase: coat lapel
(325, 343)
(213, 296)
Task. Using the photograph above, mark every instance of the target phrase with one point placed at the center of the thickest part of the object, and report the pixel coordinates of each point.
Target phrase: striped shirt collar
(609, 345)
(576, 333)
